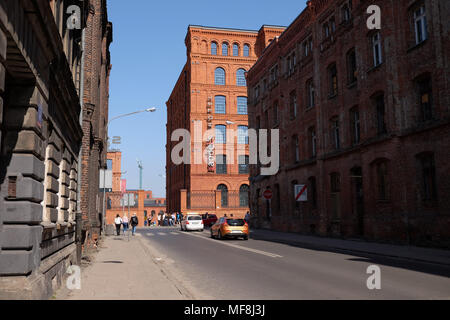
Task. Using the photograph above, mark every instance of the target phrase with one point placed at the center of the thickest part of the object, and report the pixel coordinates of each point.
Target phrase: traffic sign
(268, 194)
(301, 193)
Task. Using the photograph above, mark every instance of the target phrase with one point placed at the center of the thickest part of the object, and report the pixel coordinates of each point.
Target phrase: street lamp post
(104, 173)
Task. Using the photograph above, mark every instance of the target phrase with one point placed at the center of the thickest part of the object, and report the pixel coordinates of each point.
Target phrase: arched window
(220, 104)
(243, 195)
(225, 49)
(246, 50)
(240, 78)
(219, 77)
(214, 49)
(224, 195)
(235, 50)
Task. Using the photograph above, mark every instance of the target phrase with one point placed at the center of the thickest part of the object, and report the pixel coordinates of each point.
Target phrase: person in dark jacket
(134, 223)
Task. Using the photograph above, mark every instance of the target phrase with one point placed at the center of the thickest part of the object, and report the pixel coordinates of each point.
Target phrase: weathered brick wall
(403, 216)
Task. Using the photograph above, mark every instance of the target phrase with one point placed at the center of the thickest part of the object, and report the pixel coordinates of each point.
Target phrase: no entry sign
(301, 193)
(268, 194)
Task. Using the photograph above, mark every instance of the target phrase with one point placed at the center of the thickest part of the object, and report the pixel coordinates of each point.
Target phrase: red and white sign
(268, 194)
(301, 193)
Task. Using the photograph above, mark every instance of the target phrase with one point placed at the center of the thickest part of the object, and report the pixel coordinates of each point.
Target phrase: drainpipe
(79, 216)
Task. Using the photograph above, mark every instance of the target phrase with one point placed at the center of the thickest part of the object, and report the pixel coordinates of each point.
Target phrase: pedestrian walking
(118, 222)
(134, 223)
(125, 223)
(178, 218)
(247, 217)
(173, 219)
(160, 220)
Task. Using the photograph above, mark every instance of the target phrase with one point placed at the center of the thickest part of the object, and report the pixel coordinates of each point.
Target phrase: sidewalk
(126, 270)
(429, 255)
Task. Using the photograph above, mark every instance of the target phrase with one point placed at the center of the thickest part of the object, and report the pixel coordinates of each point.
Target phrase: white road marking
(264, 253)
(150, 234)
(162, 234)
(175, 233)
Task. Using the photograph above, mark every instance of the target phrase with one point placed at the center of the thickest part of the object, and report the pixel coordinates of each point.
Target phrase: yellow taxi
(230, 228)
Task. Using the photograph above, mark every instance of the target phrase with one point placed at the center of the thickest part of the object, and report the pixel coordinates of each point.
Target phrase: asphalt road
(267, 270)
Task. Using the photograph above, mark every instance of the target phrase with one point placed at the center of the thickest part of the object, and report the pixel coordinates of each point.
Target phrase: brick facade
(196, 99)
(97, 67)
(40, 142)
(364, 123)
(145, 207)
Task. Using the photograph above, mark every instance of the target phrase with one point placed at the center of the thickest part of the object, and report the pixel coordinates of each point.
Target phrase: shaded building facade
(41, 71)
(364, 122)
(211, 94)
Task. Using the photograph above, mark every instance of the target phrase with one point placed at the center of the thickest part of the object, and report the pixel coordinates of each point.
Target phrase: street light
(152, 109)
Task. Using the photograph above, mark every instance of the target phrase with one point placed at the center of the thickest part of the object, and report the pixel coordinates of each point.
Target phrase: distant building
(364, 122)
(212, 90)
(141, 202)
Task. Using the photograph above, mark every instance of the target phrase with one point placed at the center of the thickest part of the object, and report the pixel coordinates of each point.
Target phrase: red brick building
(212, 91)
(95, 106)
(144, 206)
(364, 122)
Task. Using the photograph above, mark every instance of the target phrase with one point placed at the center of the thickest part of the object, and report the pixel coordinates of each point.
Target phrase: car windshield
(236, 222)
(194, 218)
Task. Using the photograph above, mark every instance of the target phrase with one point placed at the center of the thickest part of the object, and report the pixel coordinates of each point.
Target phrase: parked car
(209, 219)
(230, 228)
(192, 222)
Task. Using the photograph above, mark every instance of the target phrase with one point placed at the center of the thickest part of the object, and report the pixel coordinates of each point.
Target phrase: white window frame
(377, 49)
(420, 24)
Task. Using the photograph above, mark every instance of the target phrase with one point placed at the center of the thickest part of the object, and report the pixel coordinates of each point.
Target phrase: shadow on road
(390, 261)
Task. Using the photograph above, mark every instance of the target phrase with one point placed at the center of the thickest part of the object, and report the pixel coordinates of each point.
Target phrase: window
(377, 49)
(332, 72)
(382, 180)
(355, 126)
(310, 93)
(109, 164)
(221, 134)
(214, 49)
(224, 195)
(296, 148)
(335, 182)
(308, 46)
(242, 135)
(219, 77)
(312, 142)
(346, 13)
(333, 25)
(428, 177)
(257, 88)
(326, 30)
(274, 74)
(420, 24)
(425, 95)
(225, 49)
(235, 50)
(246, 50)
(243, 195)
(380, 108)
(351, 67)
(335, 133)
(242, 105)
(244, 162)
(221, 164)
(220, 104)
(240, 78)
(293, 104)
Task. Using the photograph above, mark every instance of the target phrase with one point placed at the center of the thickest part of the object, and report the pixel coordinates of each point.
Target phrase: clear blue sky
(148, 54)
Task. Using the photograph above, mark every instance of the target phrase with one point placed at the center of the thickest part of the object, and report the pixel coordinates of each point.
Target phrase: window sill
(375, 68)
(417, 46)
(332, 96)
(352, 85)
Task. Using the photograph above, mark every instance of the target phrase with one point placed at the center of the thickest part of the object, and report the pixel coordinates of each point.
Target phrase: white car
(192, 222)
